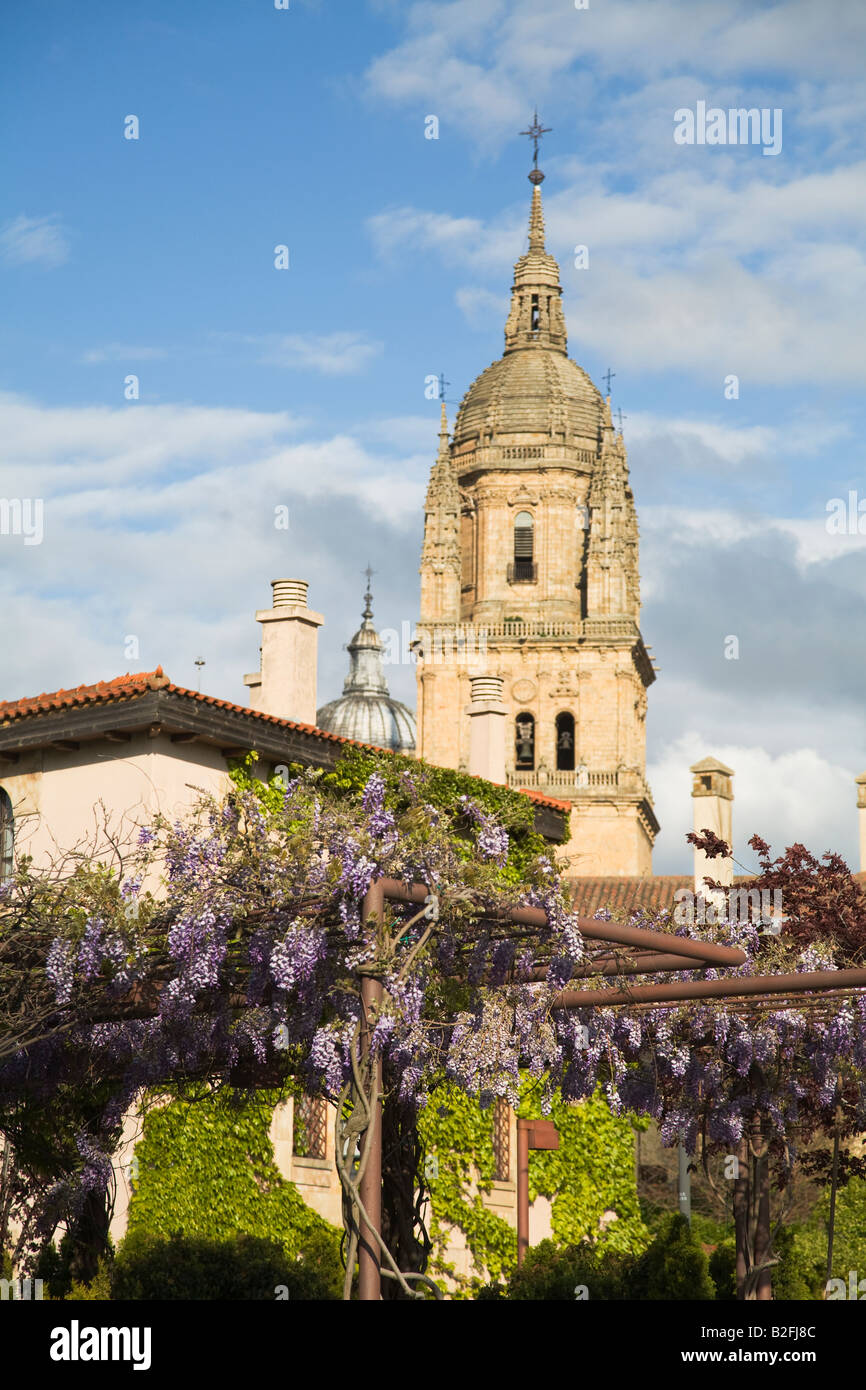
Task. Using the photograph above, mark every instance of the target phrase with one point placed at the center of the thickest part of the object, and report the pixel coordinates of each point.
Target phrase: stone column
(285, 686)
(487, 717)
(712, 795)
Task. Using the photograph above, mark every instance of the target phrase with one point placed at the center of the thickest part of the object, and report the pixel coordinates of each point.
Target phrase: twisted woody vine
(234, 947)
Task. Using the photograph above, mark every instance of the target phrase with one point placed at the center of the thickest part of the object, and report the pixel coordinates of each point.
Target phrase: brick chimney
(285, 685)
(487, 714)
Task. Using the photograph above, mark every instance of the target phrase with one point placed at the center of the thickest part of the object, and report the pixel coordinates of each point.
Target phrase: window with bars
(311, 1127)
(524, 548)
(501, 1140)
(7, 836)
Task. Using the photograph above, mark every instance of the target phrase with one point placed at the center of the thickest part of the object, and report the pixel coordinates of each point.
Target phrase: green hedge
(183, 1267)
(206, 1171)
(673, 1268)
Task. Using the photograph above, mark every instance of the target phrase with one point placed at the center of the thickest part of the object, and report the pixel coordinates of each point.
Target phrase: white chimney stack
(861, 817)
(487, 714)
(713, 796)
(286, 684)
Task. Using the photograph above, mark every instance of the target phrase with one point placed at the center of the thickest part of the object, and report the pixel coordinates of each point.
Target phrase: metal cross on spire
(620, 417)
(368, 597)
(442, 384)
(608, 377)
(535, 133)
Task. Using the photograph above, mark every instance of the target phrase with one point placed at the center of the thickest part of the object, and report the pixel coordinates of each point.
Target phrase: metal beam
(370, 1187)
(732, 987)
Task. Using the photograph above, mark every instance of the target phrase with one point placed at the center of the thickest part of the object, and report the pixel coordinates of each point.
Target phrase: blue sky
(305, 387)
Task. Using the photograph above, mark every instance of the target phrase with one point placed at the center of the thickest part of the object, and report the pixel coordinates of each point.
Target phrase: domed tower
(365, 710)
(529, 571)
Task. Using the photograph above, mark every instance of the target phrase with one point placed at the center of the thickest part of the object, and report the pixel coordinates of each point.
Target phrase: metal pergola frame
(646, 952)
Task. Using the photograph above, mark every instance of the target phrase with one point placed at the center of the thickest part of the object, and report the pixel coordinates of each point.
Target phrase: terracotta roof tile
(632, 893)
(127, 687)
(629, 892)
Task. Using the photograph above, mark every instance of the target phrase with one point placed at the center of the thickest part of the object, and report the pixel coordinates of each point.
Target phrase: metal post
(522, 1189)
(759, 1150)
(834, 1180)
(763, 1229)
(370, 1190)
(684, 1183)
(531, 1134)
(742, 1202)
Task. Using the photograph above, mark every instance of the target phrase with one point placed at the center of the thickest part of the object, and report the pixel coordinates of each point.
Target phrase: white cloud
(727, 443)
(473, 61)
(416, 432)
(121, 352)
(80, 444)
(692, 272)
(180, 458)
(699, 527)
(334, 354)
(796, 796)
(33, 241)
(480, 307)
(159, 521)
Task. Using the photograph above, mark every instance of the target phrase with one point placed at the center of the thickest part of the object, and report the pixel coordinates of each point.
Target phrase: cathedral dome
(533, 390)
(375, 719)
(365, 711)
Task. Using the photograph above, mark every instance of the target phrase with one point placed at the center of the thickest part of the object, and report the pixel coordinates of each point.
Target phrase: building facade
(529, 573)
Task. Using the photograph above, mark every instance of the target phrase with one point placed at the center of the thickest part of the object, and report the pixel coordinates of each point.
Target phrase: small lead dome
(365, 711)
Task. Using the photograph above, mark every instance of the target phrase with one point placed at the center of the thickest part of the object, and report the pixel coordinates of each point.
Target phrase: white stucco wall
(64, 798)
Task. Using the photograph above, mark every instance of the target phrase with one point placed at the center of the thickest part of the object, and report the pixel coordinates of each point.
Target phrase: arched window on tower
(7, 836)
(534, 314)
(523, 567)
(565, 742)
(524, 743)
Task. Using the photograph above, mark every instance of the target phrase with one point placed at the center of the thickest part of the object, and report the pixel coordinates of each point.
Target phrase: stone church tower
(529, 572)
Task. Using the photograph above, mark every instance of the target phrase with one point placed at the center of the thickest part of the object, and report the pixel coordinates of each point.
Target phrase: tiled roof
(629, 892)
(127, 687)
(632, 893)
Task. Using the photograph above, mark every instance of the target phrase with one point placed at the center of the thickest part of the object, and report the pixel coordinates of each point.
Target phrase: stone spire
(440, 555)
(612, 581)
(536, 221)
(536, 318)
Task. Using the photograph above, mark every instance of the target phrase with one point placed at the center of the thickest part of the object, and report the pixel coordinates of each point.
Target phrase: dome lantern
(365, 711)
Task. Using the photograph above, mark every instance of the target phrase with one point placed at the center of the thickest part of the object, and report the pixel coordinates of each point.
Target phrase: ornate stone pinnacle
(536, 222)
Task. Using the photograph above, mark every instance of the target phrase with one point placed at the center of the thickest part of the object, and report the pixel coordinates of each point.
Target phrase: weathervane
(535, 133)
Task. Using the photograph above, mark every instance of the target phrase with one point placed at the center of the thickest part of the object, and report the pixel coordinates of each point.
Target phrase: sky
(261, 388)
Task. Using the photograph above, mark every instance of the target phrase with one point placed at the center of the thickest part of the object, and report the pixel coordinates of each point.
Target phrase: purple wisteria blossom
(256, 953)
(491, 838)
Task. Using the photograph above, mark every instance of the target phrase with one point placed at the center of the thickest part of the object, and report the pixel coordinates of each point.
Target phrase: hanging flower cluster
(249, 952)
